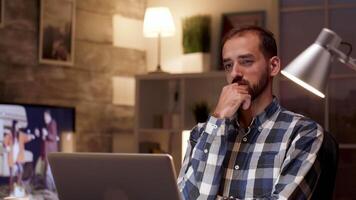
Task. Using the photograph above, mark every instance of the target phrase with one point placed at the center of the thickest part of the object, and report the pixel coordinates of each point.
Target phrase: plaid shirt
(276, 158)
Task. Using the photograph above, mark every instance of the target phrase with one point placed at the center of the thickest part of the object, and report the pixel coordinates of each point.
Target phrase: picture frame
(57, 32)
(239, 19)
(2, 12)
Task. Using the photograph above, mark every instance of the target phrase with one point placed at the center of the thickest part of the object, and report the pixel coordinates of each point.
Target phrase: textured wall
(87, 85)
(172, 50)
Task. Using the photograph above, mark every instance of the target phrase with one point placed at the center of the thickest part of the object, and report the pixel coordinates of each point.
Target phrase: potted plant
(201, 111)
(196, 42)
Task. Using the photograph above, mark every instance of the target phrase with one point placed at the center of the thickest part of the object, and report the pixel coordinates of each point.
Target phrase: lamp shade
(158, 21)
(311, 68)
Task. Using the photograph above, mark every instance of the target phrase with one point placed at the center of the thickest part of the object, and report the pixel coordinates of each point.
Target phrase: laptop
(113, 176)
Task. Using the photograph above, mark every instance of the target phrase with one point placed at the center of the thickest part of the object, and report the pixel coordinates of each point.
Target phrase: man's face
(245, 63)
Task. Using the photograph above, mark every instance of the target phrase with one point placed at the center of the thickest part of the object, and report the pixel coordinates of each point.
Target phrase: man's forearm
(203, 160)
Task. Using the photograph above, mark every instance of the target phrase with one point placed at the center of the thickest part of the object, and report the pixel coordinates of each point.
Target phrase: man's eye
(246, 62)
(228, 66)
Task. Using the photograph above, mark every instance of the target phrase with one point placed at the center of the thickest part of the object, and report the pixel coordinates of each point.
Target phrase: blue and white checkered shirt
(276, 158)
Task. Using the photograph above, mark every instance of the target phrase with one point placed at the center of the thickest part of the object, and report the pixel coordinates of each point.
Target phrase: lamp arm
(341, 56)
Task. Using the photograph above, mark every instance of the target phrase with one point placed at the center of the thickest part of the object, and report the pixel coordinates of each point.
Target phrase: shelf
(167, 76)
(160, 130)
(164, 101)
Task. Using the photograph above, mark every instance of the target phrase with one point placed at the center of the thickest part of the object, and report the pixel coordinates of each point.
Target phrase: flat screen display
(28, 133)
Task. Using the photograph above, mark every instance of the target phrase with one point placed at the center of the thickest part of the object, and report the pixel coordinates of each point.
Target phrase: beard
(254, 90)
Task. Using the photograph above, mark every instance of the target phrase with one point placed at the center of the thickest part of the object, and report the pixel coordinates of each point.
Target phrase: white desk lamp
(311, 68)
(158, 22)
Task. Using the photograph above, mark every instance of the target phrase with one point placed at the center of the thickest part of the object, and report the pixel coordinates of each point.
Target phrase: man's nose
(236, 71)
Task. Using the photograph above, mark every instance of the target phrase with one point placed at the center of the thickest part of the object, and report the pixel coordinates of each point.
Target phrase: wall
(87, 85)
(172, 48)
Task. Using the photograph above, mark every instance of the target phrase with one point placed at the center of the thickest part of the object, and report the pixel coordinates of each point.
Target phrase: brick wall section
(87, 85)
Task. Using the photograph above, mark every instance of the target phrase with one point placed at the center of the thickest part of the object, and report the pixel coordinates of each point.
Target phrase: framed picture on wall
(57, 22)
(2, 10)
(240, 19)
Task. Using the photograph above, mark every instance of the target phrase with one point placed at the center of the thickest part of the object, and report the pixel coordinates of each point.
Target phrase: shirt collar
(268, 112)
(261, 118)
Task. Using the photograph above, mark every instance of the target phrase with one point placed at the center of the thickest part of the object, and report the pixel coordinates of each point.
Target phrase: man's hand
(231, 98)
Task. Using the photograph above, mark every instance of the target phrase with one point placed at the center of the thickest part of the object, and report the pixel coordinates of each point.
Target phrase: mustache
(239, 80)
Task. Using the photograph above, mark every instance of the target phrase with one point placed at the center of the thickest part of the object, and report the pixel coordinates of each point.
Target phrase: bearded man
(251, 147)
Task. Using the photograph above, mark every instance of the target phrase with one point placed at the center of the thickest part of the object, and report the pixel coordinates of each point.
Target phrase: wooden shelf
(158, 130)
(160, 95)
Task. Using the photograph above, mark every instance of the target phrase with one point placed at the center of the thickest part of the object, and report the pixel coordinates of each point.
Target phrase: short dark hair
(268, 44)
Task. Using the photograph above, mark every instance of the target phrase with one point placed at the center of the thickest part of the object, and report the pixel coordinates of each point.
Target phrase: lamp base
(158, 71)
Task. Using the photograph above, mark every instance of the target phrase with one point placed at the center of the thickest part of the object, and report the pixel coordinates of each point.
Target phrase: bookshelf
(163, 108)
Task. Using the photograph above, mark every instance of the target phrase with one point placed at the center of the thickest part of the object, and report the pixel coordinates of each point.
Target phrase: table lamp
(158, 22)
(311, 68)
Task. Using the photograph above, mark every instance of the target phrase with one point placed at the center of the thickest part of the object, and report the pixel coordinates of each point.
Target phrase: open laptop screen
(109, 176)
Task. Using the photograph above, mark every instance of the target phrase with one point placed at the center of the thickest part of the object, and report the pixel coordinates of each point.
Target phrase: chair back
(328, 157)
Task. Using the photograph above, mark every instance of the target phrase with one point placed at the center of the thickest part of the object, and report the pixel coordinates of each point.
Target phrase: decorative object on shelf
(196, 34)
(240, 19)
(158, 121)
(2, 11)
(158, 22)
(311, 68)
(171, 120)
(196, 43)
(201, 111)
(150, 147)
(175, 115)
(57, 22)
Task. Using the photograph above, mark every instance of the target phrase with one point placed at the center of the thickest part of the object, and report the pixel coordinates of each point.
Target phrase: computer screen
(27, 134)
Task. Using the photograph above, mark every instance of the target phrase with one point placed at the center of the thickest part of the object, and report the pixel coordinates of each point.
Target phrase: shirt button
(237, 167)
(205, 150)
(244, 139)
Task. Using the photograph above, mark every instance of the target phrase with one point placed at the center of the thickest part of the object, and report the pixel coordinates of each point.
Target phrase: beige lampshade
(158, 21)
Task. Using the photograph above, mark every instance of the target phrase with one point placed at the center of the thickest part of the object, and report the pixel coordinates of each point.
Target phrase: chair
(328, 157)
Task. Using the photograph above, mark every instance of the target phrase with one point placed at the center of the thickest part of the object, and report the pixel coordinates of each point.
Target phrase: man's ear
(275, 66)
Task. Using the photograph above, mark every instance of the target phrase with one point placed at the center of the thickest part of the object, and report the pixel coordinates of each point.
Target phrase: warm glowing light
(303, 84)
(158, 21)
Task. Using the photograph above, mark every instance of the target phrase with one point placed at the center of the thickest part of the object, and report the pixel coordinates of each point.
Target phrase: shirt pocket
(267, 160)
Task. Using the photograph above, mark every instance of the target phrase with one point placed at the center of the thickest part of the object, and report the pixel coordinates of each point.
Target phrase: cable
(350, 48)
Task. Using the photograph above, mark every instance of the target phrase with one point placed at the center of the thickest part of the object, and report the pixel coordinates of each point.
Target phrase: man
(251, 147)
(49, 144)
(49, 134)
(14, 143)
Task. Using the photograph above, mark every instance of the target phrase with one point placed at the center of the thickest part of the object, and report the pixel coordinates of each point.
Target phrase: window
(300, 23)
